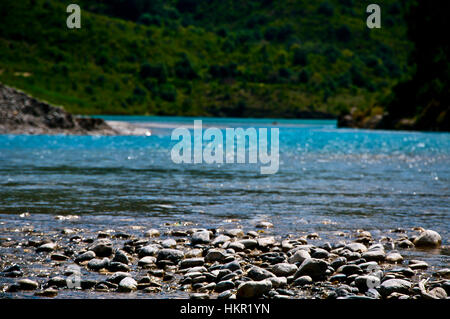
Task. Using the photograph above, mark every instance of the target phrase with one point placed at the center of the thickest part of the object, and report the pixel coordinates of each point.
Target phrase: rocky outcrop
(23, 114)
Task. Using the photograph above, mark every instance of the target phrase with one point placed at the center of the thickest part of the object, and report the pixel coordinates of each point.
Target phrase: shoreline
(182, 261)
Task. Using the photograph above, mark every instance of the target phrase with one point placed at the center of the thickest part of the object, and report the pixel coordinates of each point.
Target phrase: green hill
(215, 58)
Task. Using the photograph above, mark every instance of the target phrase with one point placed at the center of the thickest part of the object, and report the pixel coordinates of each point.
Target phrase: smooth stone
(224, 285)
(374, 255)
(87, 283)
(200, 237)
(121, 257)
(257, 273)
(394, 258)
(417, 264)
(97, 264)
(232, 265)
(320, 253)
(303, 280)
(249, 243)
(149, 250)
(117, 277)
(117, 266)
(266, 241)
(428, 238)
(169, 243)
(338, 262)
(312, 267)
(220, 240)
(405, 243)
(102, 248)
(48, 247)
(85, 256)
(225, 294)
(349, 269)
(147, 261)
(356, 247)
(236, 232)
(215, 255)
(299, 256)
(27, 284)
(57, 281)
(264, 224)
(173, 255)
(366, 282)
(253, 289)
(394, 285)
(58, 257)
(284, 269)
(192, 253)
(444, 273)
(192, 262)
(278, 282)
(128, 284)
(236, 246)
(338, 278)
(49, 293)
(350, 255)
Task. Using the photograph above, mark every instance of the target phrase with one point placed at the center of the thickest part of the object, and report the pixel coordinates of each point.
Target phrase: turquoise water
(329, 180)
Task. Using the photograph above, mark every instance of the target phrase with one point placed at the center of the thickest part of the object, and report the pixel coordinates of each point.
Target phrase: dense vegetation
(256, 58)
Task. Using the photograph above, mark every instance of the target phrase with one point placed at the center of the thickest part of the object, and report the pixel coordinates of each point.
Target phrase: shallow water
(329, 180)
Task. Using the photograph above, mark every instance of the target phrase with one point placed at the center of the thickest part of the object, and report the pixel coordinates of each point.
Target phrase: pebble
(284, 269)
(149, 250)
(173, 255)
(58, 257)
(97, 264)
(85, 256)
(102, 248)
(312, 267)
(27, 284)
(200, 237)
(257, 273)
(225, 294)
(121, 256)
(192, 262)
(394, 285)
(264, 224)
(303, 280)
(349, 269)
(356, 247)
(394, 257)
(169, 243)
(49, 293)
(428, 238)
(48, 247)
(127, 284)
(215, 255)
(417, 264)
(220, 240)
(224, 285)
(234, 232)
(146, 261)
(299, 257)
(374, 255)
(253, 289)
(320, 253)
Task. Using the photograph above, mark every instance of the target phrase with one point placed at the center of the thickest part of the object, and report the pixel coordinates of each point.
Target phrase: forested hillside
(195, 57)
